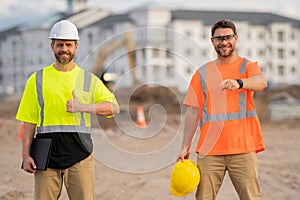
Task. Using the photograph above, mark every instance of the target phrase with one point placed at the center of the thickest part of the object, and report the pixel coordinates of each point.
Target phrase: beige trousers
(78, 180)
(242, 170)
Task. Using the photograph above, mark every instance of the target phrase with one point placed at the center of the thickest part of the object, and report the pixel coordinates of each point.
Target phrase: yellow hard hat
(185, 178)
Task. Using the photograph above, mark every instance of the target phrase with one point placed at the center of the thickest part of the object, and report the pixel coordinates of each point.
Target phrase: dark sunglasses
(221, 38)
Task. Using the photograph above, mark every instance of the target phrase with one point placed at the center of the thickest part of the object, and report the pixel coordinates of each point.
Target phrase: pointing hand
(229, 84)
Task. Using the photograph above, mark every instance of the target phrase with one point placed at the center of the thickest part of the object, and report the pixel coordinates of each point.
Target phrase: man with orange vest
(57, 103)
(220, 100)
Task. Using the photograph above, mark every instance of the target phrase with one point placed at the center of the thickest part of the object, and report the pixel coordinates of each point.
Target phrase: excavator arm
(103, 53)
(110, 48)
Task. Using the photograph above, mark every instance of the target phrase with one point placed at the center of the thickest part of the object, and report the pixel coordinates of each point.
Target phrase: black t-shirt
(68, 148)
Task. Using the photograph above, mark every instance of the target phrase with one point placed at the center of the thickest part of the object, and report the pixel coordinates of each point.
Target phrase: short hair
(224, 23)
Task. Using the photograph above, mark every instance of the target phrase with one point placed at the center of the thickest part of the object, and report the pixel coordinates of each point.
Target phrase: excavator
(107, 76)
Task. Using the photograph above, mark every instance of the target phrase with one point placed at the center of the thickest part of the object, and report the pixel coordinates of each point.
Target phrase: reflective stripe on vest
(61, 128)
(242, 114)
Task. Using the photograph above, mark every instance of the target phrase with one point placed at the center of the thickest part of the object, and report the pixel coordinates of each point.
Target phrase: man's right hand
(185, 154)
(29, 165)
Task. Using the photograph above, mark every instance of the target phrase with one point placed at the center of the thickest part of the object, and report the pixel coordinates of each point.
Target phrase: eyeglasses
(225, 37)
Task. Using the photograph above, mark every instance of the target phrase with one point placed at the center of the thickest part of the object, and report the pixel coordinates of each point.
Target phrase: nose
(224, 41)
(64, 47)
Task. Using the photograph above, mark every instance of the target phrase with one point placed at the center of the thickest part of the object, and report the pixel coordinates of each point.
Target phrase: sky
(18, 11)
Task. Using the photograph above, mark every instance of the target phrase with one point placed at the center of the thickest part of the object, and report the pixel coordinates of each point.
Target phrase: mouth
(224, 48)
(64, 54)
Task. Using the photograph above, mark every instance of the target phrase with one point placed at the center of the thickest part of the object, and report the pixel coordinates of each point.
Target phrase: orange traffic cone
(141, 122)
(1, 122)
(21, 131)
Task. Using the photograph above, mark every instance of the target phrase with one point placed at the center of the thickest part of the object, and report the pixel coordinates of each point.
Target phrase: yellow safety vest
(82, 127)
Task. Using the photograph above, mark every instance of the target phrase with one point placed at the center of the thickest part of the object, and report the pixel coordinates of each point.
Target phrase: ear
(52, 45)
(76, 45)
(236, 37)
(212, 40)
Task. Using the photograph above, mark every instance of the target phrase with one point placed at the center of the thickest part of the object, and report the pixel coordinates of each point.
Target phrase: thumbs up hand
(73, 105)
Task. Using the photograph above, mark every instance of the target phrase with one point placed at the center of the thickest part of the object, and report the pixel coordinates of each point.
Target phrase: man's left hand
(73, 105)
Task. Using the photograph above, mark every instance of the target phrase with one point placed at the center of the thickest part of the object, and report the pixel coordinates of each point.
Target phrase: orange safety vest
(228, 120)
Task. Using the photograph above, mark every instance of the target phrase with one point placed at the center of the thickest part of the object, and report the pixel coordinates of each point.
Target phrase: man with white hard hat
(57, 103)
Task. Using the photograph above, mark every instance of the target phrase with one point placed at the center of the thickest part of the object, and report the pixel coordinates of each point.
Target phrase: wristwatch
(240, 82)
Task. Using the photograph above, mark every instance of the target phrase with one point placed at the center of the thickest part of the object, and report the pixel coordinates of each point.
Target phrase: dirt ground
(279, 164)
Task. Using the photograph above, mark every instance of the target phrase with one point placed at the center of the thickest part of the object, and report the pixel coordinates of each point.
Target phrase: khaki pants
(78, 180)
(242, 170)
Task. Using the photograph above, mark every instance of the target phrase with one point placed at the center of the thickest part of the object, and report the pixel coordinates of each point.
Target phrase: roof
(98, 17)
(9, 32)
(210, 17)
(81, 19)
(111, 20)
(87, 17)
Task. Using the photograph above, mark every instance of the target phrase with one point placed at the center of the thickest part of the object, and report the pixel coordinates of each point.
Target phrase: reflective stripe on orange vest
(242, 114)
(59, 128)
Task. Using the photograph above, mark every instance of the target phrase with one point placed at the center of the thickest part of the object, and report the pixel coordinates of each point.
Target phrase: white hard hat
(64, 30)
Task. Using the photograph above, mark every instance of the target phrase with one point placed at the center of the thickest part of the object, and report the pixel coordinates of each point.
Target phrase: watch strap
(240, 82)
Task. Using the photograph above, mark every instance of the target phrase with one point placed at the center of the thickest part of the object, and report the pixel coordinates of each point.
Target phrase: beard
(64, 57)
(224, 53)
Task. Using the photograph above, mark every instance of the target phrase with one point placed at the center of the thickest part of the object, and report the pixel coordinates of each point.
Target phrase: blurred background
(146, 53)
(164, 42)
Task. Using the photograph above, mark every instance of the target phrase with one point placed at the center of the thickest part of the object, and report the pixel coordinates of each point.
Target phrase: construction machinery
(107, 75)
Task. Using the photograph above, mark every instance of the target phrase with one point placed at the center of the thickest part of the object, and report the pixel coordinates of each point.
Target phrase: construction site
(278, 164)
(136, 150)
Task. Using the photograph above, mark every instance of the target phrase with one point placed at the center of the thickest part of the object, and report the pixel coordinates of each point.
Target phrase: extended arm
(256, 83)
(190, 125)
(28, 132)
(104, 108)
